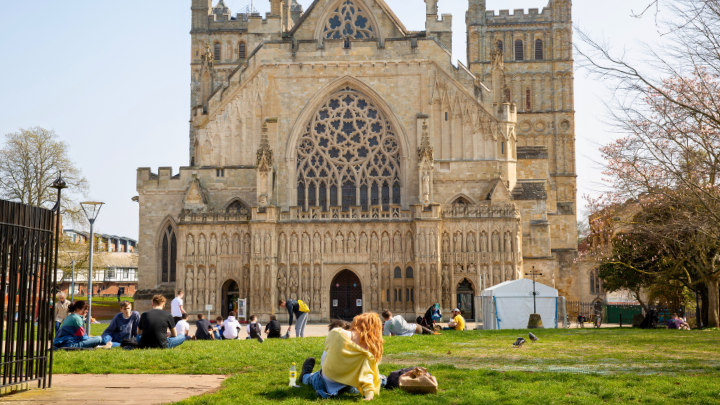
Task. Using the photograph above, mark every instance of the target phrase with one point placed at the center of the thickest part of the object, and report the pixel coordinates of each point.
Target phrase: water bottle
(293, 375)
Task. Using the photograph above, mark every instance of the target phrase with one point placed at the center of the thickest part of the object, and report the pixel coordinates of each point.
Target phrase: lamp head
(59, 183)
(91, 209)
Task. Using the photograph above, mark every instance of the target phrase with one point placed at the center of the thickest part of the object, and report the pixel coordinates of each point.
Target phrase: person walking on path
(298, 309)
(154, 326)
(72, 332)
(61, 310)
(123, 326)
(176, 306)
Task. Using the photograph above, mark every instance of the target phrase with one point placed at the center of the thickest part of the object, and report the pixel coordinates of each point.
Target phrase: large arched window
(538, 49)
(397, 272)
(242, 51)
(409, 272)
(596, 285)
(168, 252)
(349, 149)
(348, 20)
(519, 50)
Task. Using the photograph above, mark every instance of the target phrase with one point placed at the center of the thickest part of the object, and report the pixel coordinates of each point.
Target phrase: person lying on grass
(154, 326)
(398, 326)
(123, 326)
(72, 332)
(351, 360)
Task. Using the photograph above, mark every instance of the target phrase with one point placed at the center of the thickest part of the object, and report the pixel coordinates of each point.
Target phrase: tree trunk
(713, 303)
(702, 289)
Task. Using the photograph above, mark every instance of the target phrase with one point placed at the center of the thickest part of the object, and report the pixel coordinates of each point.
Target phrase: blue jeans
(87, 343)
(218, 335)
(108, 338)
(316, 381)
(57, 326)
(174, 342)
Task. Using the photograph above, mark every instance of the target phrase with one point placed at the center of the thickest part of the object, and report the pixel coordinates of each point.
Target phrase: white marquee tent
(508, 305)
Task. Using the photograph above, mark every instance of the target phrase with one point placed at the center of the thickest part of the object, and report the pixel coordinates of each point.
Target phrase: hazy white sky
(112, 78)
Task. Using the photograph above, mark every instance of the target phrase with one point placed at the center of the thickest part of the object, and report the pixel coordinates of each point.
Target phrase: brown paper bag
(418, 381)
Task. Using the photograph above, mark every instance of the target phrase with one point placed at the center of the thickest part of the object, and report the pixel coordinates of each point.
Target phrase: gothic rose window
(348, 156)
(348, 21)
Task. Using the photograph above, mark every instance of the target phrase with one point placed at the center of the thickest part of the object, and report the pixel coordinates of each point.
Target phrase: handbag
(418, 381)
(303, 306)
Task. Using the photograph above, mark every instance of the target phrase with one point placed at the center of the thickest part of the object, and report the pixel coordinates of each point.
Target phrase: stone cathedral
(339, 158)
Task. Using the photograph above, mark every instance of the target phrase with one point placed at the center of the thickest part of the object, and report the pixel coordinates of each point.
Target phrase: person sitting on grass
(273, 329)
(154, 326)
(123, 326)
(254, 329)
(676, 323)
(398, 326)
(231, 327)
(72, 331)
(351, 360)
(183, 327)
(458, 322)
(218, 330)
(204, 329)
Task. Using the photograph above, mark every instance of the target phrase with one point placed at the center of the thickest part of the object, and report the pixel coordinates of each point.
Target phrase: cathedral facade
(339, 158)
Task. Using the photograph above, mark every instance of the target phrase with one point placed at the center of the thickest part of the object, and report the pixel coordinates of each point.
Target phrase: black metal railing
(28, 257)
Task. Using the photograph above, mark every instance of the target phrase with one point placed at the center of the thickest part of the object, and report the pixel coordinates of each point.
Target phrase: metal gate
(28, 258)
(345, 296)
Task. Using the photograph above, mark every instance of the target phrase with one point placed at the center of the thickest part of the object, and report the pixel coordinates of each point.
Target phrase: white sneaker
(108, 345)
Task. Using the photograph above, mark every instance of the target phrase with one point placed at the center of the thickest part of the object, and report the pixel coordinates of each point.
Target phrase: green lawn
(578, 366)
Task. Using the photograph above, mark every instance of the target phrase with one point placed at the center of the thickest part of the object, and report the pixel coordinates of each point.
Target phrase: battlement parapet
(519, 16)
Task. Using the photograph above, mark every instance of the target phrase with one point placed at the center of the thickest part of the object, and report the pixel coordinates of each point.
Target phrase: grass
(584, 366)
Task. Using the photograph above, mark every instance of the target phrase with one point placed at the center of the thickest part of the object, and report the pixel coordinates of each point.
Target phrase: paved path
(116, 389)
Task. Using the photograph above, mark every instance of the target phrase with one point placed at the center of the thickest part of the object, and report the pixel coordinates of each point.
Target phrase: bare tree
(30, 160)
(666, 105)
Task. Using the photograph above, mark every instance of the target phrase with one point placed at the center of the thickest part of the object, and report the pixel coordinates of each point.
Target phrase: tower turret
(200, 11)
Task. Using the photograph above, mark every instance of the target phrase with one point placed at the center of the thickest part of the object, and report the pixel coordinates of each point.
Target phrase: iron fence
(28, 258)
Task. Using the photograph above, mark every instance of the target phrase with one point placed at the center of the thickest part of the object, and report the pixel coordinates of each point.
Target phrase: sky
(113, 79)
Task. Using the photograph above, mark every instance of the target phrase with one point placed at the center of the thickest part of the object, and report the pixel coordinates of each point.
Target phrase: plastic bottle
(293, 375)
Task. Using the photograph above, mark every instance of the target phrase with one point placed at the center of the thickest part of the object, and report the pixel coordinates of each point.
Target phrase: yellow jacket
(350, 364)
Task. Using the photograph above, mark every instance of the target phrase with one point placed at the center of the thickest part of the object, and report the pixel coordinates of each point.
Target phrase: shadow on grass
(290, 393)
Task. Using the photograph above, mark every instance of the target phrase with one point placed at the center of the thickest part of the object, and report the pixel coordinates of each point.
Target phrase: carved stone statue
(458, 242)
(201, 288)
(471, 242)
(282, 283)
(446, 287)
(236, 244)
(374, 284)
(213, 246)
(258, 244)
(293, 244)
(496, 275)
(397, 243)
(422, 242)
(483, 242)
(224, 244)
(363, 243)
(472, 269)
(422, 276)
(351, 243)
(426, 186)
(213, 297)
(294, 283)
(374, 244)
(459, 269)
(328, 244)
(246, 245)
(306, 243)
(508, 273)
(385, 244)
(433, 283)
(409, 245)
(190, 249)
(495, 242)
(508, 244)
(212, 285)
(189, 284)
(203, 248)
(339, 248)
(306, 283)
(316, 290)
(316, 243)
(446, 244)
(268, 247)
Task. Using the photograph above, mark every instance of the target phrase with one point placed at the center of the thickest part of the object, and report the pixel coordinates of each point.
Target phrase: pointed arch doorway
(466, 300)
(345, 296)
(230, 295)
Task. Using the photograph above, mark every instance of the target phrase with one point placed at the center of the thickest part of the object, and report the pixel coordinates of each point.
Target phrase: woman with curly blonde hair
(350, 362)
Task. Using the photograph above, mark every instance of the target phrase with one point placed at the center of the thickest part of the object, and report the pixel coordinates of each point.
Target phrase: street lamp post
(534, 293)
(91, 209)
(73, 258)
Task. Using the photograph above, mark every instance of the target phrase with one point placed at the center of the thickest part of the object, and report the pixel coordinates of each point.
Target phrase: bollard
(621, 320)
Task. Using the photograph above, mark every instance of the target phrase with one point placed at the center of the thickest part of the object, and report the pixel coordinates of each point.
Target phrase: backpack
(303, 306)
(393, 380)
(254, 330)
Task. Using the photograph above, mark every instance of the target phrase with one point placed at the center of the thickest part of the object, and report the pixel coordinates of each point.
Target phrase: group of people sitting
(675, 322)
(153, 329)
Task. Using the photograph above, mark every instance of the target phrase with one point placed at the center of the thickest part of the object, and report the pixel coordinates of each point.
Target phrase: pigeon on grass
(533, 338)
(518, 343)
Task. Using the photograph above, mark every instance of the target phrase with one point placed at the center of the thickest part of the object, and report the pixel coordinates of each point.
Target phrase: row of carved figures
(338, 243)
